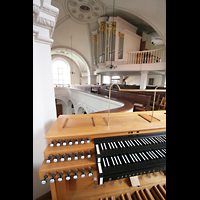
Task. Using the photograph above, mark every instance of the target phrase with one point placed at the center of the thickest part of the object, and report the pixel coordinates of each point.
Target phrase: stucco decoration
(84, 11)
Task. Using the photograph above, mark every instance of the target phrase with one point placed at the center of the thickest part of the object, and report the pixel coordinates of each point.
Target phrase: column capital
(44, 17)
(144, 72)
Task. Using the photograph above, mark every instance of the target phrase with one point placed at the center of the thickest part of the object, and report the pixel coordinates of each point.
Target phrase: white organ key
(139, 142)
(134, 157)
(137, 157)
(109, 145)
(99, 168)
(154, 154)
(152, 140)
(101, 146)
(97, 148)
(119, 160)
(105, 146)
(131, 157)
(136, 142)
(132, 143)
(149, 155)
(124, 159)
(162, 139)
(126, 143)
(127, 158)
(104, 163)
(115, 145)
(161, 153)
(158, 139)
(147, 140)
(116, 160)
(119, 144)
(112, 145)
(129, 143)
(123, 144)
(164, 150)
(143, 141)
(107, 162)
(158, 153)
(112, 161)
(144, 155)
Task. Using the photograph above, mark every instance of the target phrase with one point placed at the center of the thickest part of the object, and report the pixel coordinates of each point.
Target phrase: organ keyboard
(126, 156)
(86, 159)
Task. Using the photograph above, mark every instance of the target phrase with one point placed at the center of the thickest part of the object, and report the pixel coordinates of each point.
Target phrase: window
(61, 73)
(151, 81)
(106, 79)
(116, 79)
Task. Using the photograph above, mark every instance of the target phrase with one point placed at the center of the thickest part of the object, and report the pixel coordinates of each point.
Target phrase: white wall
(90, 102)
(44, 110)
(135, 80)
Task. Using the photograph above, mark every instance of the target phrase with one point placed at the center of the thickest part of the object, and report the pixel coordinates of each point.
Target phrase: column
(44, 109)
(143, 79)
(163, 80)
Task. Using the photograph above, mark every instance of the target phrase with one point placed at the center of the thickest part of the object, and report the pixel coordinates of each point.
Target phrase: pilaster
(44, 21)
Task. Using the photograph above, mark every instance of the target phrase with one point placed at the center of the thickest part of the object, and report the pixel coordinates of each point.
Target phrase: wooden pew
(141, 102)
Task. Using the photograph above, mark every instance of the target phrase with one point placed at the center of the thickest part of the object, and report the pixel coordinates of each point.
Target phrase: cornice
(44, 22)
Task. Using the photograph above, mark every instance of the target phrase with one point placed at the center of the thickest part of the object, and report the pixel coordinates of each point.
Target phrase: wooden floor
(46, 196)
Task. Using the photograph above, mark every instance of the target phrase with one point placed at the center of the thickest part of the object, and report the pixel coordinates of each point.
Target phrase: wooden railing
(146, 57)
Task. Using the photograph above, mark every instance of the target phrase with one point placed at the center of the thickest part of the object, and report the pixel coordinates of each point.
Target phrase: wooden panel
(92, 126)
(119, 122)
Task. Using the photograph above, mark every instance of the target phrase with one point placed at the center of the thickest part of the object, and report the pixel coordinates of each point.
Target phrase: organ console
(87, 159)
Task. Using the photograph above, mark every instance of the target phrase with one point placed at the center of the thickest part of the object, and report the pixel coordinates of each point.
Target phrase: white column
(44, 109)
(163, 81)
(143, 79)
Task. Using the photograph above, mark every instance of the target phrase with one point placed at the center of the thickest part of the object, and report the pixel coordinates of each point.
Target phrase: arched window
(61, 73)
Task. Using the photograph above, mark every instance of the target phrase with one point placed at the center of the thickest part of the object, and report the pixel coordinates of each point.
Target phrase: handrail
(133, 90)
(147, 56)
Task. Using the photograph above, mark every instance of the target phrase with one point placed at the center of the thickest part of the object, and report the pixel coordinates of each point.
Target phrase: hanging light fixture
(111, 66)
(72, 71)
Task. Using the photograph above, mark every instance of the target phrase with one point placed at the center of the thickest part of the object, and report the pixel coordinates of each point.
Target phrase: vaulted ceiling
(78, 18)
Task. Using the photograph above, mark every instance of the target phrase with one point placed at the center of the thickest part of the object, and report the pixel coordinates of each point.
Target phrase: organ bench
(87, 159)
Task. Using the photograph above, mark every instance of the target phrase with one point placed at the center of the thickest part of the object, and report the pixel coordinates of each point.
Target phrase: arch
(70, 108)
(75, 57)
(81, 110)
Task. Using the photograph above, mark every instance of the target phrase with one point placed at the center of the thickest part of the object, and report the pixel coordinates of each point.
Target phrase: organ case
(71, 159)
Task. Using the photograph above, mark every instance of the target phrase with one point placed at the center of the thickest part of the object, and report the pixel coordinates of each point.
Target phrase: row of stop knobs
(70, 142)
(75, 176)
(69, 157)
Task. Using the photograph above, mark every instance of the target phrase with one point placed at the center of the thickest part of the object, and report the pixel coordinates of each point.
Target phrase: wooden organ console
(87, 159)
